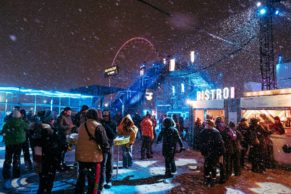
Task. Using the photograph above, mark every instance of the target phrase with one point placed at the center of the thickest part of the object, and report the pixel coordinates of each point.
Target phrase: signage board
(111, 71)
(277, 101)
(149, 95)
(216, 94)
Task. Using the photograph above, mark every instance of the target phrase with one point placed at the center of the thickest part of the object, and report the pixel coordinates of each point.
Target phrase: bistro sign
(216, 94)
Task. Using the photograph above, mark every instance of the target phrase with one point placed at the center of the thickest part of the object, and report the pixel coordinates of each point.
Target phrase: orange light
(268, 92)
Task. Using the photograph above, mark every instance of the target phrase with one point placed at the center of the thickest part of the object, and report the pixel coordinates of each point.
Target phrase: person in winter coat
(225, 165)
(235, 140)
(80, 117)
(50, 153)
(106, 165)
(170, 136)
(147, 136)
(231, 138)
(25, 145)
(14, 134)
(211, 146)
(154, 120)
(65, 126)
(35, 128)
(243, 128)
(269, 160)
(258, 146)
(277, 128)
(92, 141)
(197, 129)
(127, 128)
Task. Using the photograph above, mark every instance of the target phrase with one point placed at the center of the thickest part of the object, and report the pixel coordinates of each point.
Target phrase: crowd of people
(224, 146)
(228, 147)
(47, 136)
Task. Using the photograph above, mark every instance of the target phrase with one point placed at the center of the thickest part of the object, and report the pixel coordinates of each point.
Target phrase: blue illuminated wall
(283, 71)
(37, 100)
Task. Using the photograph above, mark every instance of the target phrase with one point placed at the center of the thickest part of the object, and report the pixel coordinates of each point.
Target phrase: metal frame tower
(267, 64)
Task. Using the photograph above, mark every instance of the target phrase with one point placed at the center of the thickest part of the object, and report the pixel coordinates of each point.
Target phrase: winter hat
(16, 114)
(254, 121)
(23, 113)
(84, 107)
(231, 124)
(148, 114)
(169, 122)
(67, 108)
(243, 120)
(48, 116)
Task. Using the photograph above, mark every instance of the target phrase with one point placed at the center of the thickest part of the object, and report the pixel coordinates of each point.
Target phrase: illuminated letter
(218, 94)
(198, 95)
(207, 97)
(225, 93)
(212, 94)
(202, 95)
(232, 92)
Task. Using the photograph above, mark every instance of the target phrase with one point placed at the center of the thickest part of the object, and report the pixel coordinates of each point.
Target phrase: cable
(155, 7)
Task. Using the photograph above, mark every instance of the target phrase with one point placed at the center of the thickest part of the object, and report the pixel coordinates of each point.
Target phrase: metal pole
(52, 104)
(117, 166)
(6, 104)
(59, 105)
(109, 85)
(34, 110)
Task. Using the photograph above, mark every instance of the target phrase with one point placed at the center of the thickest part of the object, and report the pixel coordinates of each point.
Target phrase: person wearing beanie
(14, 134)
(211, 147)
(170, 136)
(243, 128)
(80, 117)
(106, 165)
(49, 147)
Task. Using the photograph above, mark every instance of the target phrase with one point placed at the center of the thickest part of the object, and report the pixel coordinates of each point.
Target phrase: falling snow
(13, 38)
(222, 39)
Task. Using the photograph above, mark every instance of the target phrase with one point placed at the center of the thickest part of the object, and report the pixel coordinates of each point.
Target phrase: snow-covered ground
(146, 176)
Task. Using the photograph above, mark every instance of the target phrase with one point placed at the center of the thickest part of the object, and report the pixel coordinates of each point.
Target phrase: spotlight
(259, 4)
(172, 65)
(192, 56)
(262, 11)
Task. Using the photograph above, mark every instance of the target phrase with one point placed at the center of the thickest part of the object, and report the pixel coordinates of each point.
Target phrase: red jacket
(147, 128)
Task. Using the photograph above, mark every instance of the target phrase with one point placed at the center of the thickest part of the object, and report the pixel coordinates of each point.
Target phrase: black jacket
(170, 136)
(110, 128)
(211, 143)
(50, 142)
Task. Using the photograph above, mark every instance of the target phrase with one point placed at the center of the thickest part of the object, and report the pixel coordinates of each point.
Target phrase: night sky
(62, 44)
